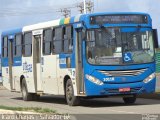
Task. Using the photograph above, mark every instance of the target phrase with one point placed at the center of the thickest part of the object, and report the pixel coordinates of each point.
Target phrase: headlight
(149, 78)
(94, 80)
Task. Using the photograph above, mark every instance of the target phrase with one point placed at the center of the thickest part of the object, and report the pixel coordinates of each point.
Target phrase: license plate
(124, 89)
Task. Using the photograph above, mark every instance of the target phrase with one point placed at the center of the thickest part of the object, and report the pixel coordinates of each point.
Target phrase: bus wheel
(35, 96)
(129, 100)
(69, 94)
(25, 95)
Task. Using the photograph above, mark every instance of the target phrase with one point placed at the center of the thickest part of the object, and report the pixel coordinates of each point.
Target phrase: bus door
(37, 61)
(10, 62)
(49, 64)
(79, 62)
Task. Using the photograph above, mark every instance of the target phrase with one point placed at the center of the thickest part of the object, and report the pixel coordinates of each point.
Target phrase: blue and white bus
(90, 55)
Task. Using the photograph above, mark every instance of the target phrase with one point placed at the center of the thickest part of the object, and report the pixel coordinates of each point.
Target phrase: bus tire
(130, 100)
(25, 95)
(35, 96)
(69, 94)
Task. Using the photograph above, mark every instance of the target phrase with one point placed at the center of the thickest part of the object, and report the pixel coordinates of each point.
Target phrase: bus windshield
(110, 46)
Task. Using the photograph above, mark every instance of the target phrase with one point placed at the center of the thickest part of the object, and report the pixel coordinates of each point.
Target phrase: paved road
(94, 106)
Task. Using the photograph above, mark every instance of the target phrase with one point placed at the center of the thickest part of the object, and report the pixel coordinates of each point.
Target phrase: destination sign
(119, 19)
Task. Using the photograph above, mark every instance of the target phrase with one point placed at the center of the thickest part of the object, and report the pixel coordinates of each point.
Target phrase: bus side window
(68, 39)
(57, 40)
(18, 46)
(64, 39)
(5, 47)
(47, 39)
(27, 44)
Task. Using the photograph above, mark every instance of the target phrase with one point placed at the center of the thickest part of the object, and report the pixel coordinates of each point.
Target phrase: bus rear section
(11, 60)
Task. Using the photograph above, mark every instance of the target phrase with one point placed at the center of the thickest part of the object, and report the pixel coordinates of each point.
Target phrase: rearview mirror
(155, 38)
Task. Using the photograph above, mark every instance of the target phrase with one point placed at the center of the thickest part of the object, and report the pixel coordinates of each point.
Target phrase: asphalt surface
(95, 109)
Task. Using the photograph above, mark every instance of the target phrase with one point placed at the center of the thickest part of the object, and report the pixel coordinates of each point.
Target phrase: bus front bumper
(114, 89)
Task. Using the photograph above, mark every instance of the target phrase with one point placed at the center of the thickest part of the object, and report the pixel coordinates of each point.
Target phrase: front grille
(133, 90)
(123, 73)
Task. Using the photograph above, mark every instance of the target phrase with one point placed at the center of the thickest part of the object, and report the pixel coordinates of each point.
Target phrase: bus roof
(41, 25)
(12, 32)
(78, 18)
(62, 21)
(52, 23)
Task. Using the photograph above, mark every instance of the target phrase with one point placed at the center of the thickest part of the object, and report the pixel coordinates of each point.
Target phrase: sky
(18, 13)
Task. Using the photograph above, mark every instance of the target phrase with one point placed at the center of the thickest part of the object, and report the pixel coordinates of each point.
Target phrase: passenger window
(68, 39)
(57, 41)
(18, 46)
(47, 41)
(27, 44)
(5, 47)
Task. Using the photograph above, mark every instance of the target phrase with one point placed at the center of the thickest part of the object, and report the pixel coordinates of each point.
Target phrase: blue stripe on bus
(4, 62)
(63, 60)
(17, 61)
(72, 20)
